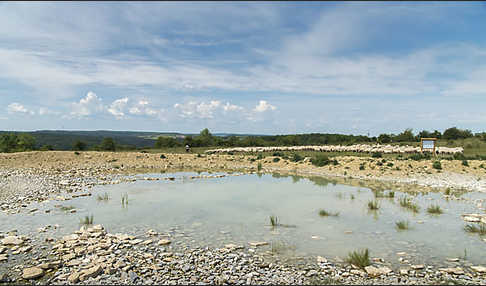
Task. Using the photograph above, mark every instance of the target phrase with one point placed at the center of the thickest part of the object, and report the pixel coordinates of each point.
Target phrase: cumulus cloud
(46, 111)
(193, 109)
(263, 106)
(117, 107)
(87, 106)
(232, 107)
(142, 108)
(18, 108)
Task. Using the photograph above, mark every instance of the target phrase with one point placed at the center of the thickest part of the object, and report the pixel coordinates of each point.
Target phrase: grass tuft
(373, 205)
(360, 258)
(273, 220)
(434, 209)
(124, 200)
(323, 212)
(481, 229)
(408, 204)
(402, 225)
(103, 197)
(87, 220)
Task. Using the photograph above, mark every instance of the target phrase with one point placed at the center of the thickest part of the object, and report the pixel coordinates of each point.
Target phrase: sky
(243, 67)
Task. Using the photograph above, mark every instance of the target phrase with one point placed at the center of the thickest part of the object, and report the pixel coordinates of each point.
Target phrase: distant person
(187, 148)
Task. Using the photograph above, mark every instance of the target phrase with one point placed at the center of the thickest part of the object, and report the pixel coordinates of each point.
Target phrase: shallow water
(236, 209)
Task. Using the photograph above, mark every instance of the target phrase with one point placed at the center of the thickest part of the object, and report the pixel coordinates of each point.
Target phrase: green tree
(384, 138)
(163, 142)
(8, 142)
(108, 144)
(455, 133)
(79, 145)
(405, 136)
(25, 142)
(205, 138)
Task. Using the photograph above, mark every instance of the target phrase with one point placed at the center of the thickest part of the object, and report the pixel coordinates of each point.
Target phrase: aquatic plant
(124, 200)
(408, 204)
(481, 229)
(323, 212)
(103, 197)
(373, 205)
(360, 258)
(402, 224)
(66, 208)
(273, 220)
(87, 220)
(434, 209)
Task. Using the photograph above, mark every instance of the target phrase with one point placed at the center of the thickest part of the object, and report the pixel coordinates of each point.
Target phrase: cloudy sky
(266, 68)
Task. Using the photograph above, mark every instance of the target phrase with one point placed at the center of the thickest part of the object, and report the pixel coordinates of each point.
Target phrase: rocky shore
(92, 255)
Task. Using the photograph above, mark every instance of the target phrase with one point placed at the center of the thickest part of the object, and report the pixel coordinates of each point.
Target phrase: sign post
(427, 144)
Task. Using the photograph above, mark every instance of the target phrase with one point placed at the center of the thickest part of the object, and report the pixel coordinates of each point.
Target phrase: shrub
(361, 167)
(296, 157)
(437, 165)
(162, 156)
(376, 155)
(275, 160)
(259, 167)
(259, 156)
(320, 160)
(278, 154)
(458, 156)
(465, 163)
(390, 164)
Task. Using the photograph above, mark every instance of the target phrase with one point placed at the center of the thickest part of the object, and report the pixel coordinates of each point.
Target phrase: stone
(90, 272)
(12, 240)
(418, 266)
(68, 257)
(311, 273)
(321, 259)
(453, 259)
(135, 241)
(148, 241)
(480, 269)
(471, 219)
(374, 271)
(70, 237)
(257, 243)
(32, 273)
(3, 257)
(73, 277)
(452, 270)
(164, 242)
(403, 271)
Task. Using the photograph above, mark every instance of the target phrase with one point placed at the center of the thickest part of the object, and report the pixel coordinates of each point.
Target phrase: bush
(108, 144)
(79, 146)
(376, 155)
(437, 165)
(465, 163)
(361, 167)
(296, 157)
(320, 160)
(458, 156)
(162, 156)
(275, 160)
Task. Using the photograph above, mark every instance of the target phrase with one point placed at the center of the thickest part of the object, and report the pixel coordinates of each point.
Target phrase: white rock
(12, 240)
(32, 273)
(480, 269)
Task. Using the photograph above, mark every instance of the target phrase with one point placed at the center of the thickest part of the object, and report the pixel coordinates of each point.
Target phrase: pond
(236, 209)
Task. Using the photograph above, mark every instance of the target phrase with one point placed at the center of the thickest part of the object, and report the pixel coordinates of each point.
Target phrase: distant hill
(63, 140)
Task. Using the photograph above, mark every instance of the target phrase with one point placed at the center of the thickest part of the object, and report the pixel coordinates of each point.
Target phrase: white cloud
(89, 105)
(142, 108)
(232, 107)
(193, 109)
(117, 107)
(263, 106)
(18, 108)
(46, 111)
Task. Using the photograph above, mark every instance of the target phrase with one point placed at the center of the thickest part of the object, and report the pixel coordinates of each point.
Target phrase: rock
(452, 270)
(401, 253)
(90, 272)
(374, 271)
(147, 242)
(12, 240)
(403, 271)
(311, 273)
(4, 278)
(68, 257)
(164, 242)
(136, 241)
(258, 243)
(480, 269)
(46, 266)
(32, 273)
(70, 237)
(3, 257)
(453, 259)
(418, 266)
(73, 277)
(321, 259)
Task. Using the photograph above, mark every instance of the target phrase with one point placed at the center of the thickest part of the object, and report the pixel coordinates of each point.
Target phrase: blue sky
(256, 67)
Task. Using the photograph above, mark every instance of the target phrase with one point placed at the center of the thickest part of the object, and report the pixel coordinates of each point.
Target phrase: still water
(236, 209)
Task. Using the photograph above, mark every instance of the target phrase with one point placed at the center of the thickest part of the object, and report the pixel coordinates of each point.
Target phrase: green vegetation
(66, 208)
(275, 160)
(361, 166)
(352, 196)
(481, 229)
(274, 221)
(373, 205)
(296, 157)
(402, 225)
(12, 142)
(87, 220)
(376, 155)
(408, 204)
(360, 258)
(79, 145)
(434, 209)
(437, 165)
(465, 163)
(320, 160)
(103, 197)
(259, 166)
(323, 212)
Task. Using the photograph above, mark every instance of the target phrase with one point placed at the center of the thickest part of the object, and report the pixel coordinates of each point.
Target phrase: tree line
(17, 142)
